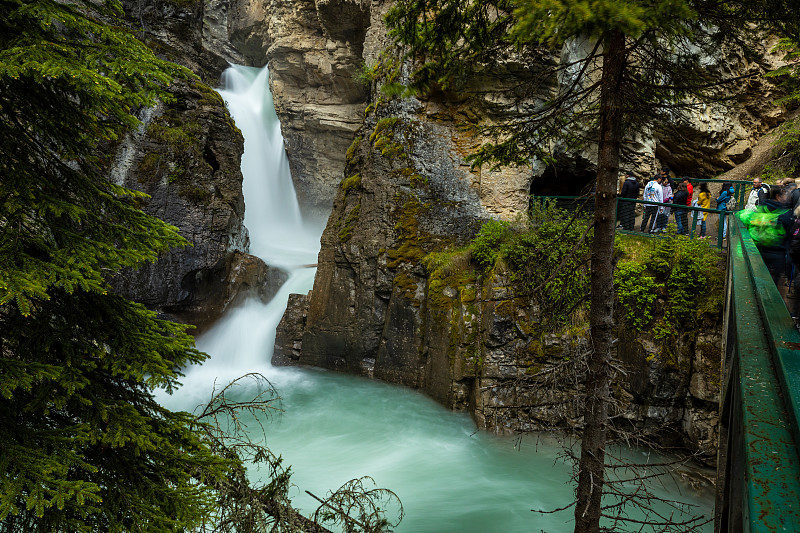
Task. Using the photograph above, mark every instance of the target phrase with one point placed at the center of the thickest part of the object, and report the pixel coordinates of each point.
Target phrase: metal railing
(758, 476)
(631, 219)
(758, 472)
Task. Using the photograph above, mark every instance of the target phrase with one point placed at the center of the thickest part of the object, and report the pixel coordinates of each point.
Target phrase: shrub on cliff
(685, 275)
(546, 257)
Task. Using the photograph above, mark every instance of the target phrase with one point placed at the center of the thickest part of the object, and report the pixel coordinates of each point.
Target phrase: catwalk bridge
(758, 476)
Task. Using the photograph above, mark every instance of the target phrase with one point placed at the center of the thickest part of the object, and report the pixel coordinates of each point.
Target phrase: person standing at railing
(689, 189)
(652, 193)
(630, 189)
(704, 201)
(758, 195)
(680, 199)
(725, 195)
(770, 227)
(792, 193)
(793, 253)
(663, 214)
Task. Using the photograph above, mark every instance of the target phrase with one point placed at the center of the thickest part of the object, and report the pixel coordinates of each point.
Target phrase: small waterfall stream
(449, 476)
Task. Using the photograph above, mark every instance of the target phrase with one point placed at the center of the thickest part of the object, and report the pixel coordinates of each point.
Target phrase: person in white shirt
(653, 192)
(758, 195)
(666, 197)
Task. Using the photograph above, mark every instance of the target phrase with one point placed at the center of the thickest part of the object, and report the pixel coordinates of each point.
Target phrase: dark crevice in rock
(211, 159)
(568, 178)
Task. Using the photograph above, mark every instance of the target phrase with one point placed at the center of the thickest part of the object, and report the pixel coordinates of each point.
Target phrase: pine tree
(85, 446)
(644, 61)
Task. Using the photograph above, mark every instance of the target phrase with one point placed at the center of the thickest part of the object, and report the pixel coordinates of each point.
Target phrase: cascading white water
(336, 427)
(278, 234)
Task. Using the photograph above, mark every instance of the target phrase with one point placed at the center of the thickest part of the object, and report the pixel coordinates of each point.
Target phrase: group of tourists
(771, 214)
(663, 189)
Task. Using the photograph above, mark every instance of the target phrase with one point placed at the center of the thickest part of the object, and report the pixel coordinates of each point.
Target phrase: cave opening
(573, 179)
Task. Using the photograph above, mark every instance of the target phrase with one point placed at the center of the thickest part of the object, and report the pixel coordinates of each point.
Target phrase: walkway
(758, 485)
(758, 474)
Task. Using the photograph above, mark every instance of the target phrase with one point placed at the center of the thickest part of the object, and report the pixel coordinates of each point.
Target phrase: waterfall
(336, 427)
(278, 234)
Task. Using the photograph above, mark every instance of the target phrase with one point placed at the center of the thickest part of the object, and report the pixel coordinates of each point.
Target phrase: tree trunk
(591, 468)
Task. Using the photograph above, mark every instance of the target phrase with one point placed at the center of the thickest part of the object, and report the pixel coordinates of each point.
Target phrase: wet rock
(186, 158)
(289, 335)
(210, 292)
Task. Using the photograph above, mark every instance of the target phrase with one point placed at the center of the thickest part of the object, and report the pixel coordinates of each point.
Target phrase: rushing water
(335, 427)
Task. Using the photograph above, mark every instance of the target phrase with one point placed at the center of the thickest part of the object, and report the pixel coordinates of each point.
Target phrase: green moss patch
(408, 235)
(351, 183)
(352, 151)
(346, 231)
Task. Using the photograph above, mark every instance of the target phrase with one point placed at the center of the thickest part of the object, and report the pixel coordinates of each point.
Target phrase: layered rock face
(382, 308)
(186, 157)
(179, 32)
(315, 56)
(712, 138)
(407, 191)
(385, 219)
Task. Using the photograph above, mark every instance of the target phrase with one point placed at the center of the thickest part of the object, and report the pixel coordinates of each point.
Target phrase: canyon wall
(393, 174)
(186, 157)
(381, 307)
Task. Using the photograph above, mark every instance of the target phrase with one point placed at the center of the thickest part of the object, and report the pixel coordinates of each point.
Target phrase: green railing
(716, 218)
(758, 474)
(741, 189)
(758, 485)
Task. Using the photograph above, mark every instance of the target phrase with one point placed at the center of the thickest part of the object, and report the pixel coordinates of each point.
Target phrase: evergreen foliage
(546, 257)
(686, 274)
(666, 48)
(85, 446)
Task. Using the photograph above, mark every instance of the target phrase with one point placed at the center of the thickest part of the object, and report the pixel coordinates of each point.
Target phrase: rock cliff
(318, 52)
(186, 157)
(405, 191)
(315, 55)
(384, 305)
